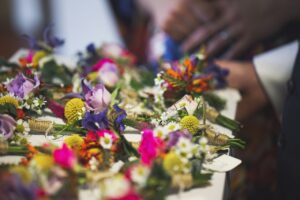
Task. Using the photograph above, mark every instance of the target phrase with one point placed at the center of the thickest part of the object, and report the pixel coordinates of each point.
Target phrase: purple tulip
(97, 99)
(7, 126)
(21, 86)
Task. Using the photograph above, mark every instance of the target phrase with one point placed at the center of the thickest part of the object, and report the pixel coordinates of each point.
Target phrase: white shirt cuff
(274, 69)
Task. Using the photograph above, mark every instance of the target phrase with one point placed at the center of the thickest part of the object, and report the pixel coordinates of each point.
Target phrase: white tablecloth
(212, 192)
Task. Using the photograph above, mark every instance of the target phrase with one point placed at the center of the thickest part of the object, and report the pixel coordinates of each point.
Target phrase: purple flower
(95, 122)
(121, 114)
(7, 126)
(22, 86)
(13, 187)
(174, 137)
(218, 73)
(97, 99)
(51, 40)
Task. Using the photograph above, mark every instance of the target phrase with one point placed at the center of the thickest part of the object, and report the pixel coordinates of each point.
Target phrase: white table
(215, 191)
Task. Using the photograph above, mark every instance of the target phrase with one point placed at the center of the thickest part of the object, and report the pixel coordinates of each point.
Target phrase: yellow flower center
(38, 56)
(20, 128)
(190, 123)
(74, 110)
(9, 100)
(43, 161)
(74, 141)
(172, 163)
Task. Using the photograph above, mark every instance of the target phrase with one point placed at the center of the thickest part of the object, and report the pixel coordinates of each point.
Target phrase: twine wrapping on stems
(212, 114)
(41, 126)
(182, 181)
(3, 146)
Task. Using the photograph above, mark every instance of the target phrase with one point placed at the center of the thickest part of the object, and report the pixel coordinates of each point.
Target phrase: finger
(240, 73)
(204, 11)
(189, 18)
(238, 49)
(180, 23)
(201, 34)
(222, 40)
(233, 77)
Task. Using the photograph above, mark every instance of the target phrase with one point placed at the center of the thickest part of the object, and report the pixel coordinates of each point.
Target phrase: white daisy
(106, 141)
(22, 127)
(116, 187)
(160, 132)
(172, 126)
(140, 174)
(204, 148)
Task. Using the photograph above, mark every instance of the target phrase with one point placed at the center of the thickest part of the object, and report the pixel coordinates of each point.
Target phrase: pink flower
(149, 147)
(97, 99)
(64, 157)
(130, 196)
(108, 72)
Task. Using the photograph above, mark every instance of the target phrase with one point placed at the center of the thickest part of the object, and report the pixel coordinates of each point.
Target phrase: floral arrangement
(100, 101)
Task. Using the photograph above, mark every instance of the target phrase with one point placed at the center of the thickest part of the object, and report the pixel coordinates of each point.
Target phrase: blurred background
(81, 22)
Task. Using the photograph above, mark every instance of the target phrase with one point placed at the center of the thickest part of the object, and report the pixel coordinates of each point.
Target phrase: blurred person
(226, 26)
(275, 76)
(234, 26)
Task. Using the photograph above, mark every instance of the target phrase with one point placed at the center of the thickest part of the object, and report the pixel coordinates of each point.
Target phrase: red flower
(20, 114)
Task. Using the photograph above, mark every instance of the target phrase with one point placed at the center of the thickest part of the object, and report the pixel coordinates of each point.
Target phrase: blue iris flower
(95, 122)
(121, 114)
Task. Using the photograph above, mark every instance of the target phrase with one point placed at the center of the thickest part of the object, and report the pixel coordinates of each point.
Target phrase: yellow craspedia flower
(74, 141)
(23, 172)
(74, 110)
(92, 76)
(9, 100)
(38, 56)
(172, 163)
(190, 123)
(43, 162)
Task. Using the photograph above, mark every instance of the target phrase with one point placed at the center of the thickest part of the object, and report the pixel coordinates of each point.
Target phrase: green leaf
(51, 71)
(115, 93)
(201, 179)
(9, 109)
(157, 184)
(5, 63)
(214, 101)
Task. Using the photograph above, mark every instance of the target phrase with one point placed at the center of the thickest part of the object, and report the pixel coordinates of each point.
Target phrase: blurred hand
(240, 24)
(242, 76)
(186, 15)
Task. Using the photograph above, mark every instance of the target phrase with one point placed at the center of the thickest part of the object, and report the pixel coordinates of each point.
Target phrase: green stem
(237, 143)
(228, 123)
(69, 128)
(17, 150)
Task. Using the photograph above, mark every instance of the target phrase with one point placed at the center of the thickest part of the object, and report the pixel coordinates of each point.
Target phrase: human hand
(241, 24)
(242, 76)
(184, 16)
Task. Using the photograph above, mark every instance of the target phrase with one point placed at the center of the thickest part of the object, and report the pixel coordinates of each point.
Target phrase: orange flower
(199, 85)
(190, 69)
